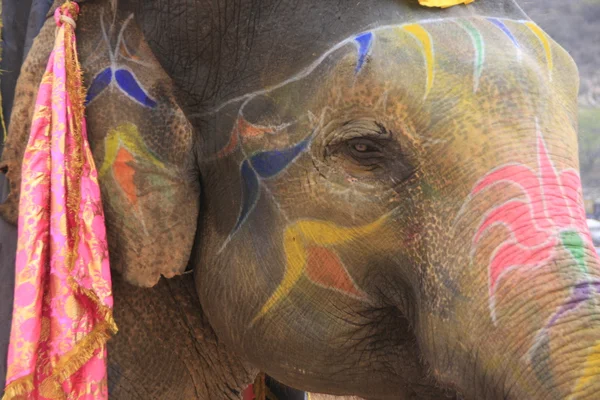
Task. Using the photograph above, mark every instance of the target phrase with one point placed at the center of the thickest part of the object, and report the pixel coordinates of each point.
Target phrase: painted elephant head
(398, 216)
(416, 179)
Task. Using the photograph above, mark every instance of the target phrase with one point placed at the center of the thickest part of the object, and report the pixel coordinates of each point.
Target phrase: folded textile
(62, 312)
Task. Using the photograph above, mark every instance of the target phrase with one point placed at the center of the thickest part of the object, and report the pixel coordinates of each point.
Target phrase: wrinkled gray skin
(422, 334)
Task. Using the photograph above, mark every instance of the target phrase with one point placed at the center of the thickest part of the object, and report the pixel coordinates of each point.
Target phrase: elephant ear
(141, 142)
(143, 146)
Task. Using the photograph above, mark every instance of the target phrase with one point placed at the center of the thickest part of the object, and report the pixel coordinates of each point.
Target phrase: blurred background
(575, 24)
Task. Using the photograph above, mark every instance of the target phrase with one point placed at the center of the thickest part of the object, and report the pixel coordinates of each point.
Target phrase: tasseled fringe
(18, 388)
(105, 312)
(259, 387)
(83, 351)
(69, 364)
(95, 341)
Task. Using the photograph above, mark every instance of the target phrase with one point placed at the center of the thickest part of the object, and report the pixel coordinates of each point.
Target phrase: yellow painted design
(545, 42)
(298, 237)
(126, 135)
(591, 370)
(443, 3)
(419, 33)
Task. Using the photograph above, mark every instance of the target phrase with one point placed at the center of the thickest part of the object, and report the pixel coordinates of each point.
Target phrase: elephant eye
(364, 148)
(361, 147)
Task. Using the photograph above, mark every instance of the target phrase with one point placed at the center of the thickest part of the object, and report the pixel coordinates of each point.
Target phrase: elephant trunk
(525, 318)
(542, 343)
(556, 350)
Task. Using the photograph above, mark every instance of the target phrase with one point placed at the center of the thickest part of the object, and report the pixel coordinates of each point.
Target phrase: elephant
(372, 199)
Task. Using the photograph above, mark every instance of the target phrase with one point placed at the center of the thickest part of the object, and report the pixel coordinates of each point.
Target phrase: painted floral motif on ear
(125, 81)
(124, 149)
(117, 74)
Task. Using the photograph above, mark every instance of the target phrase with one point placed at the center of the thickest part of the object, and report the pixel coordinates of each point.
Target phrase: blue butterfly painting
(121, 76)
(125, 81)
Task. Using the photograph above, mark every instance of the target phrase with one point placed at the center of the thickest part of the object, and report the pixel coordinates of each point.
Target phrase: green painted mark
(479, 45)
(575, 245)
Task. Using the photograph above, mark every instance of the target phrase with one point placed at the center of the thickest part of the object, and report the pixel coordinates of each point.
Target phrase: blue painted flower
(122, 76)
(125, 81)
(259, 166)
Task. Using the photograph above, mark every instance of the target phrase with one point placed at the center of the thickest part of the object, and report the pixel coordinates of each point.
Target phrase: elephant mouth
(397, 362)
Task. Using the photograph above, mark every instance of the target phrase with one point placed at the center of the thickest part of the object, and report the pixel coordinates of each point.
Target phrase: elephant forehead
(437, 68)
(437, 59)
(427, 55)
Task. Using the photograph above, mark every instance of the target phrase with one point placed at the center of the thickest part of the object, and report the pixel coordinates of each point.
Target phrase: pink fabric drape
(62, 312)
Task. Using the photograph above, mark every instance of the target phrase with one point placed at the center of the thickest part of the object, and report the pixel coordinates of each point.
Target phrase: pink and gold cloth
(62, 314)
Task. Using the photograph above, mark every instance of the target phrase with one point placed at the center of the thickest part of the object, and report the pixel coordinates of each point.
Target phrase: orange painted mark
(243, 129)
(231, 145)
(246, 129)
(303, 235)
(124, 173)
(324, 268)
(124, 148)
(125, 52)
